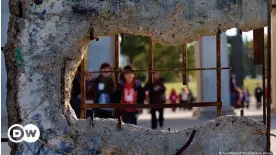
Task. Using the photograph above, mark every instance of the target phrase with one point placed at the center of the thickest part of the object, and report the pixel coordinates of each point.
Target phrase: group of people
(129, 90)
(241, 99)
(185, 96)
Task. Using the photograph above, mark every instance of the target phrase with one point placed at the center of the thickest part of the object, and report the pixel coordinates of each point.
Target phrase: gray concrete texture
(44, 40)
(183, 119)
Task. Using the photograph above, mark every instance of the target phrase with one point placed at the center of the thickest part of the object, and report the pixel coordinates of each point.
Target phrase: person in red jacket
(173, 98)
(129, 91)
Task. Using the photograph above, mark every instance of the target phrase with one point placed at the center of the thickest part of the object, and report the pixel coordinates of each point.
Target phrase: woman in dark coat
(156, 91)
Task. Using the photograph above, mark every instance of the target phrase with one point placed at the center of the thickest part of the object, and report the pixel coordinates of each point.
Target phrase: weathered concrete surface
(169, 22)
(225, 134)
(41, 43)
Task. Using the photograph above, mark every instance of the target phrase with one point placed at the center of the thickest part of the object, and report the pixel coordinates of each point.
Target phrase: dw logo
(17, 133)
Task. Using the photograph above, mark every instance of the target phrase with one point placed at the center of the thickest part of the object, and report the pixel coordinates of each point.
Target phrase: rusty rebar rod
(92, 37)
(62, 99)
(242, 112)
(92, 122)
(150, 61)
(258, 42)
(264, 88)
(259, 59)
(116, 66)
(83, 94)
(123, 38)
(116, 58)
(188, 143)
(269, 11)
(264, 133)
(119, 122)
(163, 70)
(149, 106)
(219, 113)
(184, 64)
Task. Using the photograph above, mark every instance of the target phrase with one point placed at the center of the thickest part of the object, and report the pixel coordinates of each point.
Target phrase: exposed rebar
(150, 61)
(187, 143)
(184, 64)
(219, 113)
(116, 58)
(268, 74)
(149, 106)
(83, 84)
(164, 70)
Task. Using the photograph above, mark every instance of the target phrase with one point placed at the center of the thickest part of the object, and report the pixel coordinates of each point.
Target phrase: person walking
(183, 96)
(89, 80)
(238, 98)
(191, 97)
(173, 98)
(129, 91)
(89, 97)
(102, 90)
(246, 98)
(258, 95)
(156, 91)
(233, 90)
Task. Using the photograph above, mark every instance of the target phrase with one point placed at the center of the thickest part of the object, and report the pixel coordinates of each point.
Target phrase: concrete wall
(102, 50)
(4, 28)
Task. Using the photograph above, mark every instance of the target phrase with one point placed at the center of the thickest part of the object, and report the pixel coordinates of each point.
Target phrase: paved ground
(180, 120)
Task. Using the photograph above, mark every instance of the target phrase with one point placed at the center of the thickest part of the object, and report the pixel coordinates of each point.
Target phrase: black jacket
(93, 93)
(258, 92)
(156, 96)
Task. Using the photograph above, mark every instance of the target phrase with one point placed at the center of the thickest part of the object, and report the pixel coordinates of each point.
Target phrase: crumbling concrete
(45, 39)
(225, 134)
